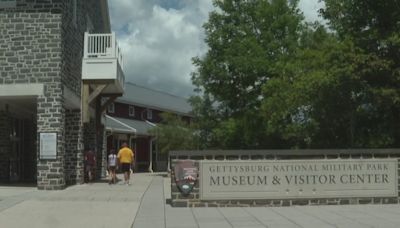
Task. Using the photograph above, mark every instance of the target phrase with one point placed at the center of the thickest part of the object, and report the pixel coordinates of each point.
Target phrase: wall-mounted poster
(48, 145)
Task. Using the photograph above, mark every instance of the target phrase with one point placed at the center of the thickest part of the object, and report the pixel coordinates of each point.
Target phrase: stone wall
(89, 135)
(42, 42)
(74, 24)
(193, 199)
(30, 48)
(30, 53)
(73, 148)
(73, 28)
(31, 6)
(51, 118)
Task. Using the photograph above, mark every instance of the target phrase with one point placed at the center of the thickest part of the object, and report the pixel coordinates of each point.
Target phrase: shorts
(126, 167)
(112, 168)
(89, 168)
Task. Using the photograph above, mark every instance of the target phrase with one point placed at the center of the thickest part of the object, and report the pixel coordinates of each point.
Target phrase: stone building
(58, 61)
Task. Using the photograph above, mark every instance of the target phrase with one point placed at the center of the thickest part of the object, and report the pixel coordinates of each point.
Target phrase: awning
(122, 125)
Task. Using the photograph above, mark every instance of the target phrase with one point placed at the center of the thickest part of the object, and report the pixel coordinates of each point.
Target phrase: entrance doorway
(18, 142)
(22, 156)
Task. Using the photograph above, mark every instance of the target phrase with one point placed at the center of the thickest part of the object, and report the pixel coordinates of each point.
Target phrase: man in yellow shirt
(125, 157)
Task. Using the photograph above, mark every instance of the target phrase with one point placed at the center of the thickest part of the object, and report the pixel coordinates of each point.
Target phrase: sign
(48, 145)
(185, 176)
(284, 179)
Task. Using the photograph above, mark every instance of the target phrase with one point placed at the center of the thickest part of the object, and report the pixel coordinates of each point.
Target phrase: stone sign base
(197, 199)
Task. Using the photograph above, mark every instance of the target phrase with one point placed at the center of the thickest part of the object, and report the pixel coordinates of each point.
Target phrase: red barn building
(131, 117)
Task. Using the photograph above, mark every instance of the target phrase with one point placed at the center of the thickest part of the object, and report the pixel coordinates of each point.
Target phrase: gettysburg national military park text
(243, 174)
(298, 178)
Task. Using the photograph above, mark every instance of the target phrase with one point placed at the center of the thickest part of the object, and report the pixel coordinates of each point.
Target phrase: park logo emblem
(186, 174)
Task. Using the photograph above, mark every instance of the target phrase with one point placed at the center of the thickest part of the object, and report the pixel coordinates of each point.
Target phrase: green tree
(271, 81)
(313, 105)
(205, 120)
(373, 27)
(174, 134)
(250, 43)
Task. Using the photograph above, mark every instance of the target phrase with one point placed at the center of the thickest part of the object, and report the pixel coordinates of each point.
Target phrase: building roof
(122, 125)
(149, 98)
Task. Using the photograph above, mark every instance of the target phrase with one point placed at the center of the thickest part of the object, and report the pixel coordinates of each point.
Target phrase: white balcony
(103, 64)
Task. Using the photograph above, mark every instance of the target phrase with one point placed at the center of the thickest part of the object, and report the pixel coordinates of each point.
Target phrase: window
(131, 110)
(8, 3)
(149, 114)
(111, 108)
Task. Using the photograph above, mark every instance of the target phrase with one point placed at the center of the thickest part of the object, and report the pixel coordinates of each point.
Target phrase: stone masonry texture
(42, 42)
(31, 54)
(73, 151)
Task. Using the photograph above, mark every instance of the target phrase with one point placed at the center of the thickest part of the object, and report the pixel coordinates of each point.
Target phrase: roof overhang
(128, 126)
(123, 101)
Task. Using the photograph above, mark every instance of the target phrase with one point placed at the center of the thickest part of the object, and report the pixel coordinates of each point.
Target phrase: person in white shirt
(112, 166)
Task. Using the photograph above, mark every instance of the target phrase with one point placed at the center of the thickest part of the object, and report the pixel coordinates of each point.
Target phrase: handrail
(102, 45)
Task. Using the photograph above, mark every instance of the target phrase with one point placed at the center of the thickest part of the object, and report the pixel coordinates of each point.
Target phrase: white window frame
(111, 108)
(149, 114)
(131, 110)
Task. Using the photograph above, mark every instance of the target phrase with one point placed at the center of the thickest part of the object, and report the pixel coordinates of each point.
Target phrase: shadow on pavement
(18, 184)
(160, 174)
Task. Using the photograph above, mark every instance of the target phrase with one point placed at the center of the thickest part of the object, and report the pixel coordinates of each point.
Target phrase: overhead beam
(88, 98)
(85, 103)
(110, 100)
(96, 92)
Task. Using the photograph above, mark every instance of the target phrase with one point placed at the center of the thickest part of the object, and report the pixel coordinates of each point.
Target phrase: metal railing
(102, 45)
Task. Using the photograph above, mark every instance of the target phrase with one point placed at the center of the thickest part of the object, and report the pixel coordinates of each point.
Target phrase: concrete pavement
(143, 204)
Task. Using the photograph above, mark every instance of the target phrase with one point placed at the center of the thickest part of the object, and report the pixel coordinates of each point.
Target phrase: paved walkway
(142, 205)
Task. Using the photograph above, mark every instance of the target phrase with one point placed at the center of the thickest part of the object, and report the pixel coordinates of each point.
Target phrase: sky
(158, 39)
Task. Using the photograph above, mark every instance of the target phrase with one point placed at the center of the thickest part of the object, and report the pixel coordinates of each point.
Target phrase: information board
(48, 145)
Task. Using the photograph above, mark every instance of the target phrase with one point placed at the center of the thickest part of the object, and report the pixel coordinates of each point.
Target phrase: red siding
(142, 145)
(122, 110)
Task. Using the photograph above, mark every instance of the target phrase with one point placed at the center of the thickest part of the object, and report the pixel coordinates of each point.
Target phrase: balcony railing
(103, 62)
(102, 46)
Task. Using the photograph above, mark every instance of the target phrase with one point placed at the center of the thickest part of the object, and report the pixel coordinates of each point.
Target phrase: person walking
(125, 157)
(90, 162)
(112, 166)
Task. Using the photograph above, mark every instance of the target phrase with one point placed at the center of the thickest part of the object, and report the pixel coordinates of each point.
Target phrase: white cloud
(158, 41)
(158, 38)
